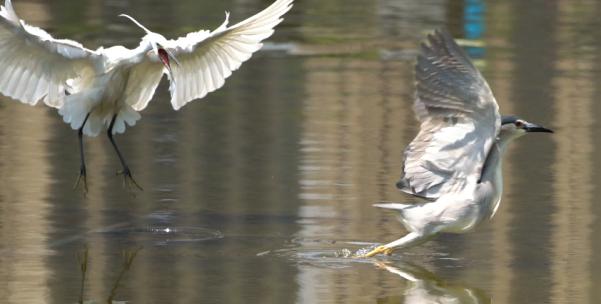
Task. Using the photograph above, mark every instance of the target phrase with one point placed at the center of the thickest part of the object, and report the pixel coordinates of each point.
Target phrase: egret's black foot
(128, 180)
(82, 180)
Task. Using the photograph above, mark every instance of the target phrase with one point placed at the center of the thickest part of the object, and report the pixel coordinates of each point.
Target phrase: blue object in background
(474, 25)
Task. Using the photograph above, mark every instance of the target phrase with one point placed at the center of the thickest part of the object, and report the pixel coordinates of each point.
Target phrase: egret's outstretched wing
(144, 78)
(36, 66)
(459, 121)
(208, 58)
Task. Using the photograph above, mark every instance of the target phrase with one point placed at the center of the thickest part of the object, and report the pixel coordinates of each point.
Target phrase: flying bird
(104, 89)
(454, 162)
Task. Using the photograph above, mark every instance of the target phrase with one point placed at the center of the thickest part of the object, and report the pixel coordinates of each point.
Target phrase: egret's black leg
(128, 179)
(82, 166)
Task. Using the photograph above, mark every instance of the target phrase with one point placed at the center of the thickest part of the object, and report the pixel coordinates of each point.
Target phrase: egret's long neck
(138, 54)
(136, 22)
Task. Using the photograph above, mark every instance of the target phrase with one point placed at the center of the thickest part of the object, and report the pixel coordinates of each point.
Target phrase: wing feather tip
(234, 52)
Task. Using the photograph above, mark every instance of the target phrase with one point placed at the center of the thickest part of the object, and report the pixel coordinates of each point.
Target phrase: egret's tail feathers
(75, 110)
(395, 206)
(101, 120)
(128, 116)
(77, 107)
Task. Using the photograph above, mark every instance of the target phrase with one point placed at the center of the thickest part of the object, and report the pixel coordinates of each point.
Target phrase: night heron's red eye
(519, 123)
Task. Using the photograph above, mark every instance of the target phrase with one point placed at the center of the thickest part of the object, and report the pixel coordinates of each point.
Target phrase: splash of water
(365, 250)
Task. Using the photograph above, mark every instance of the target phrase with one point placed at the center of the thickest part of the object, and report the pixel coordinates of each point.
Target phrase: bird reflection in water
(83, 259)
(426, 287)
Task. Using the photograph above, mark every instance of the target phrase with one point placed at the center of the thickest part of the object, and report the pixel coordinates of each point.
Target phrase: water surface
(257, 193)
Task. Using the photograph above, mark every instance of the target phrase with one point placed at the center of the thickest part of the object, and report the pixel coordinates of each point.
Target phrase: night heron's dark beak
(530, 127)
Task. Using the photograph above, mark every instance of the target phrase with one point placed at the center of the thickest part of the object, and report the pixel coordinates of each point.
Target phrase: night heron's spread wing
(459, 121)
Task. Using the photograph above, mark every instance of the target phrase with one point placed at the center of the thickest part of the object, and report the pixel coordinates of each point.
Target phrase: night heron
(454, 162)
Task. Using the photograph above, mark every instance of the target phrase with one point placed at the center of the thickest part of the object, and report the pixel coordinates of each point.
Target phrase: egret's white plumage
(36, 66)
(105, 88)
(455, 159)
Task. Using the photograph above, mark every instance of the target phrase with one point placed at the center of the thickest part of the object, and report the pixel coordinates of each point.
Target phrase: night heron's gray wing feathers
(459, 121)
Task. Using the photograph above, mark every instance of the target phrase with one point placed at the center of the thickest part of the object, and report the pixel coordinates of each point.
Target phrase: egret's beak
(530, 127)
(166, 56)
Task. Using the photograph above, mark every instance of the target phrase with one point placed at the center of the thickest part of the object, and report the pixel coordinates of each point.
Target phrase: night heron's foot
(379, 250)
(82, 181)
(128, 180)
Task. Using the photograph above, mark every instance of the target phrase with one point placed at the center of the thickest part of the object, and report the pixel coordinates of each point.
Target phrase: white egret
(105, 88)
(455, 159)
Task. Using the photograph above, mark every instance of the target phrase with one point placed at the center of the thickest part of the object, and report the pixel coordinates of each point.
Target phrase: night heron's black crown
(507, 119)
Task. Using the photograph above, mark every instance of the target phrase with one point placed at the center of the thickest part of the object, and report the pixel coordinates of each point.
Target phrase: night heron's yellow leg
(410, 239)
(379, 250)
